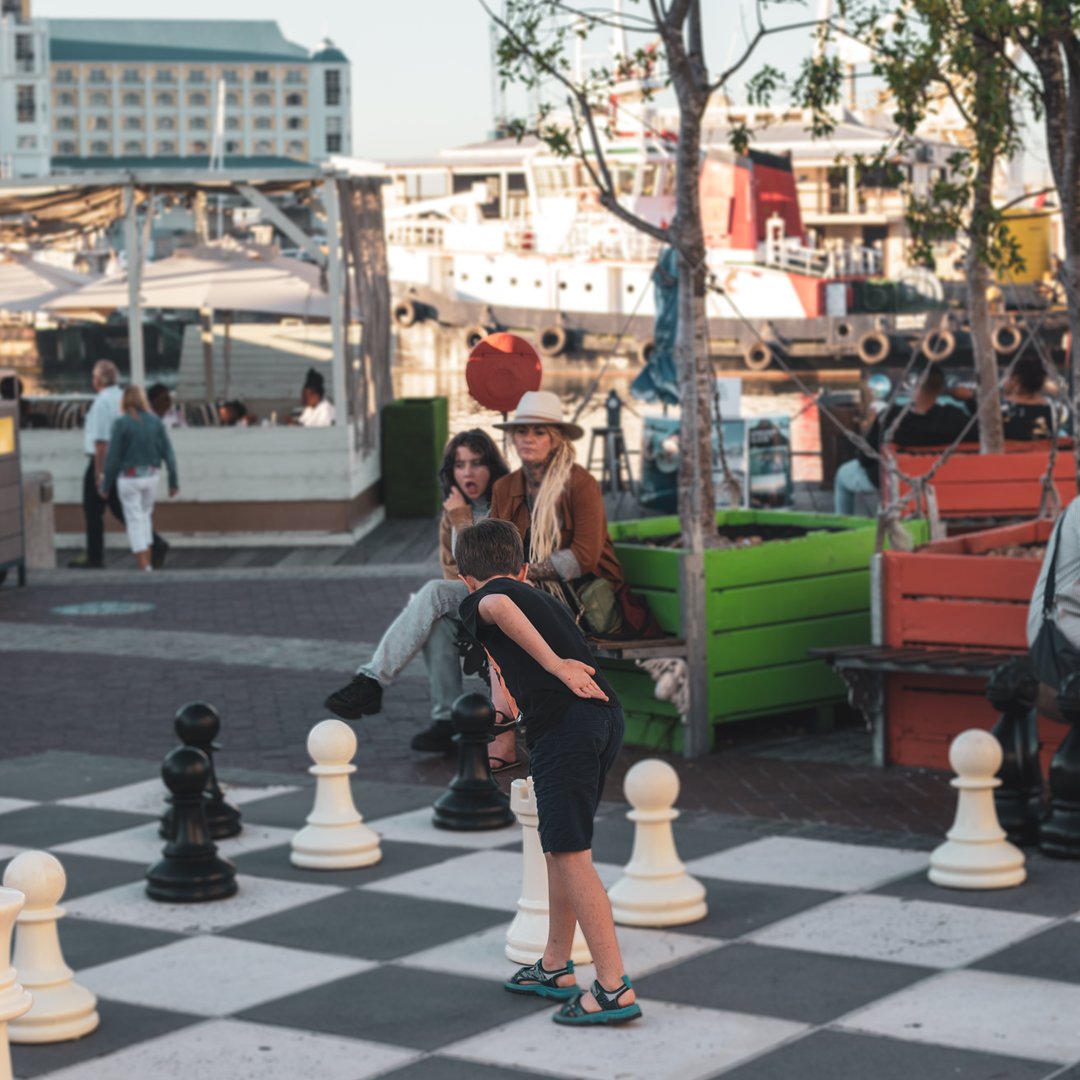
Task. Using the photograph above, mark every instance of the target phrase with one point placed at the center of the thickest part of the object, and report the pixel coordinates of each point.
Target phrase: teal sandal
(610, 1012)
(536, 979)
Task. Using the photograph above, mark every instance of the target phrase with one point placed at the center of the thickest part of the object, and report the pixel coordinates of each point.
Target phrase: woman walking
(138, 445)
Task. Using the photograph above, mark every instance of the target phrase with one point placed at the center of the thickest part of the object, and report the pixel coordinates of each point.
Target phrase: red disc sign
(500, 369)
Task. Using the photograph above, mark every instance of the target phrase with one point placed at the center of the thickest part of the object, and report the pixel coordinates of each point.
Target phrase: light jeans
(429, 623)
(851, 480)
(137, 498)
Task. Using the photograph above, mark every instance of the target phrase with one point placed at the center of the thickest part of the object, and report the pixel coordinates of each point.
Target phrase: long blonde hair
(134, 401)
(545, 527)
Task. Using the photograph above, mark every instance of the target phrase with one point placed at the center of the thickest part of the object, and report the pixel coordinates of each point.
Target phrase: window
(261, 77)
(232, 123)
(24, 52)
(294, 100)
(197, 123)
(232, 146)
(295, 123)
(64, 76)
(264, 100)
(166, 100)
(166, 123)
(133, 123)
(333, 125)
(198, 147)
(333, 88)
(232, 99)
(99, 98)
(132, 75)
(264, 146)
(197, 100)
(197, 75)
(25, 105)
(98, 75)
(133, 146)
(65, 99)
(99, 148)
(231, 76)
(65, 146)
(26, 142)
(164, 75)
(333, 144)
(264, 123)
(166, 146)
(99, 123)
(297, 148)
(132, 99)
(65, 123)
(296, 76)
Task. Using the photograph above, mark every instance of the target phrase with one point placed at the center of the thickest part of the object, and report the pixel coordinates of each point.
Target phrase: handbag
(1053, 655)
(599, 607)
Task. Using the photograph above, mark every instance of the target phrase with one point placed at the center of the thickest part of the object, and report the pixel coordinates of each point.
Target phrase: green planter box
(766, 606)
(414, 436)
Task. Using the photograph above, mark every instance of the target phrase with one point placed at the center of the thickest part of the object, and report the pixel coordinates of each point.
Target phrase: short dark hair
(490, 548)
(933, 379)
(158, 390)
(1029, 372)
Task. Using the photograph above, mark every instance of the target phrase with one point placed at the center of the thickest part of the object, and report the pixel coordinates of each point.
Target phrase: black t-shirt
(1027, 421)
(938, 426)
(541, 697)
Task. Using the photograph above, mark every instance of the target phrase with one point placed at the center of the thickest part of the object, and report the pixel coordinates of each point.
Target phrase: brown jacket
(459, 519)
(581, 514)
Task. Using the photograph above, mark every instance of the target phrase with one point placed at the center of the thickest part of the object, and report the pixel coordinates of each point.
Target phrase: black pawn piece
(1059, 834)
(1012, 690)
(190, 870)
(198, 725)
(473, 800)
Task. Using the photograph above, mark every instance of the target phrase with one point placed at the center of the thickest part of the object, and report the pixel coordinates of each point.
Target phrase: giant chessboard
(824, 955)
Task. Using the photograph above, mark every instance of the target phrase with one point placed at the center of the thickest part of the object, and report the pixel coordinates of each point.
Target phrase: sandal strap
(609, 999)
(504, 722)
(537, 973)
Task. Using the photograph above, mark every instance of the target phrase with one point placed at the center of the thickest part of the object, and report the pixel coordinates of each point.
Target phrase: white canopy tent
(27, 284)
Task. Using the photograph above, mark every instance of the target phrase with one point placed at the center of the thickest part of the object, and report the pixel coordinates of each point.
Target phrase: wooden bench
(972, 487)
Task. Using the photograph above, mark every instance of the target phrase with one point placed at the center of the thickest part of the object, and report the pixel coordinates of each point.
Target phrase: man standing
(96, 434)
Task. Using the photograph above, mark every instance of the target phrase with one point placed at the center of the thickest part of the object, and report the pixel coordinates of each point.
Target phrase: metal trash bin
(414, 436)
(12, 541)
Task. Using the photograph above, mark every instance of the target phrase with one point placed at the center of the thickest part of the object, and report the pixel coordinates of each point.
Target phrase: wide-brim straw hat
(541, 407)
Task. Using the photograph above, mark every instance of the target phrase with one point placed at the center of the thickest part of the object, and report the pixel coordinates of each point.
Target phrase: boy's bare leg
(561, 923)
(579, 882)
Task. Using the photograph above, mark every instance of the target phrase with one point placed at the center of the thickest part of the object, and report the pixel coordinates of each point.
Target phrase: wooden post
(137, 372)
(335, 286)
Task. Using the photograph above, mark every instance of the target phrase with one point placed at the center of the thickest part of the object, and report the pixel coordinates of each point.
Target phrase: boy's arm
(510, 619)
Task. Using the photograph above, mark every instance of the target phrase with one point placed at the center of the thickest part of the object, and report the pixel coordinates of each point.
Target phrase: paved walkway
(99, 662)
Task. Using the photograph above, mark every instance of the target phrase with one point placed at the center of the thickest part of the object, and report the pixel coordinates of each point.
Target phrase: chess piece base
(1059, 834)
(180, 881)
(526, 939)
(977, 866)
(465, 811)
(322, 847)
(58, 1014)
(655, 902)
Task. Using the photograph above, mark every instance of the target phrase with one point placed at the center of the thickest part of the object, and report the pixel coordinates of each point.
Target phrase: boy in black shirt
(574, 730)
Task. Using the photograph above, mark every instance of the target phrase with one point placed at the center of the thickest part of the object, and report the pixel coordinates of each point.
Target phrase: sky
(421, 70)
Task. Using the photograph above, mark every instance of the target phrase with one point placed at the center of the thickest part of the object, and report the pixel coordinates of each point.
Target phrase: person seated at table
(926, 423)
(161, 402)
(1026, 411)
(234, 414)
(317, 411)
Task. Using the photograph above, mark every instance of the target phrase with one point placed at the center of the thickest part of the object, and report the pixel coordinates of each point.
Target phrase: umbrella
(29, 285)
(221, 277)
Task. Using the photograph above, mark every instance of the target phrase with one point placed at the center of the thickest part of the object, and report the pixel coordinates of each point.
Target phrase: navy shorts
(568, 764)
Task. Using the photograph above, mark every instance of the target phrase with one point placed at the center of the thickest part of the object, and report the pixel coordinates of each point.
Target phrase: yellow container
(1031, 230)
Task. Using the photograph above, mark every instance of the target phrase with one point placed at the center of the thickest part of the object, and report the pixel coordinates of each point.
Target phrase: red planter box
(949, 595)
(1008, 485)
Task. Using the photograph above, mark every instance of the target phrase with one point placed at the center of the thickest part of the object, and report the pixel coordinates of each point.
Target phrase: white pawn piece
(14, 1000)
(976, 854)
(655, 889)
(62, 1008)
(527, 936)
(335, 836)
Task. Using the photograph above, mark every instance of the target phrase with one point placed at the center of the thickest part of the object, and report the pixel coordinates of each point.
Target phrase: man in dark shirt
(574, 730)
(926, 423)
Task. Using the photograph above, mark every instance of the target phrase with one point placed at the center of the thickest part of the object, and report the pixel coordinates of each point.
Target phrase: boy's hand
(578, 677)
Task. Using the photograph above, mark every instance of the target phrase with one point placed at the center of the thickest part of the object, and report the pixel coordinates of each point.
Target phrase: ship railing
(831, 262)
(416, 233)
(603, 237)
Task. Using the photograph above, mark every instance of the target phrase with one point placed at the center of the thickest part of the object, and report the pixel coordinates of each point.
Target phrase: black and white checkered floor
(820, 958)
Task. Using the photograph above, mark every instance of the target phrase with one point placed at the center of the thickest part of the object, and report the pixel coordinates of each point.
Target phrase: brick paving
(119, 701)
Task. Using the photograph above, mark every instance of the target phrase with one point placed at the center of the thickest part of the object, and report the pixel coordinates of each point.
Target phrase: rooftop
(239, 40)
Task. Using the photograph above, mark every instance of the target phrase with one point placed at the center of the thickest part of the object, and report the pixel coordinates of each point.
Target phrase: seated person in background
(926, 423)
(318, 412)
(234, 414)
(1026, 411)
(161, 403)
